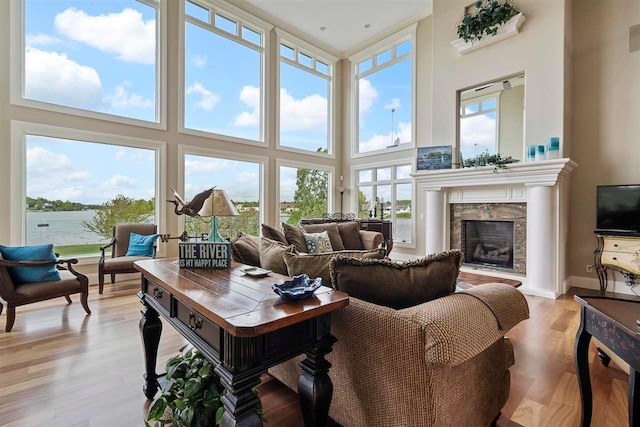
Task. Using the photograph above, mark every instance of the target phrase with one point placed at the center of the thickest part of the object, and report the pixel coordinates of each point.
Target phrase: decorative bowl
(299, 287)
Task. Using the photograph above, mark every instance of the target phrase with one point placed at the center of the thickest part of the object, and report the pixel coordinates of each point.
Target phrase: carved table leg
(634, 398)
(604, 357)
(315, 387)
(581, 355)
(150, 330)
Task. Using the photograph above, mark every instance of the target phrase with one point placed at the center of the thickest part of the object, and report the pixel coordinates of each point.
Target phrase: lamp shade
(218, 204)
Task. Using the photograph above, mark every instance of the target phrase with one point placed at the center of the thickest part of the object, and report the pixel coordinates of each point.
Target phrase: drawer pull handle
(157, 293)
(194, 323)
(615, 244)
(615, 258)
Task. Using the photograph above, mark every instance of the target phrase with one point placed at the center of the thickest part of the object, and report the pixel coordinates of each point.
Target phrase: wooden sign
(204, 254)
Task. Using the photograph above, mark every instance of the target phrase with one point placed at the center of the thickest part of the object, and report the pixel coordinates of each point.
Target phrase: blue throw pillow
(140, 245)
(31, 253)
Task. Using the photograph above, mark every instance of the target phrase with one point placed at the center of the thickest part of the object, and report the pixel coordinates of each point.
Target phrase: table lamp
(218, 204)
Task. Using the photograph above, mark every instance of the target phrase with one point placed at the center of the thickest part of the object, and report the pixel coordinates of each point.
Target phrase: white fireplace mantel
(542, 185)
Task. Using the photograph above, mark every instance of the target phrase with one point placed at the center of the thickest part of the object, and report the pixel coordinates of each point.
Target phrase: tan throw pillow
(274, 234)
(271, 255)
(350, 235)
(246, 249)
(317, 265)
(295, 236)
(332, 229)
(318, 243)
(397, 284)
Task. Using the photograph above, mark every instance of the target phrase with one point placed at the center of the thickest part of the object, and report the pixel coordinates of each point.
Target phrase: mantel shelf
(508, 29)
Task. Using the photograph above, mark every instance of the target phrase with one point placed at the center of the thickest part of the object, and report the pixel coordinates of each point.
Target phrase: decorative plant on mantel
(486, 159)
(487, 18)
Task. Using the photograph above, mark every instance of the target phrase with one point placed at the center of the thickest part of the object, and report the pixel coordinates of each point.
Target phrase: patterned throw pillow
(318, 243)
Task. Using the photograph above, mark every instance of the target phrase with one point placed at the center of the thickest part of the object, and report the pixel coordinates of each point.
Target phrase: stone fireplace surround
(543, 186)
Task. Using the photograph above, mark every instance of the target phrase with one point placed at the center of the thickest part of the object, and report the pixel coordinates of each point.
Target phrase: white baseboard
(538, 292)
(617, 286)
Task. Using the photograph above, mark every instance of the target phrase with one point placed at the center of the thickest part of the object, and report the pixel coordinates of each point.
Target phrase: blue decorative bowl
(300, 287)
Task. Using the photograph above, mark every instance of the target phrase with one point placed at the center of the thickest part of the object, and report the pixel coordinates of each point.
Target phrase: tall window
(305, 99)
(98, 56)
(479, 126)
(77, 191)
(239, 179)
(384, 96)
(304, 193)
(223, 83)
(387, 191)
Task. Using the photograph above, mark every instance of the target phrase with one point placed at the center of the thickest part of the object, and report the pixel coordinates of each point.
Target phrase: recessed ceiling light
(367, 25)
(323, 28)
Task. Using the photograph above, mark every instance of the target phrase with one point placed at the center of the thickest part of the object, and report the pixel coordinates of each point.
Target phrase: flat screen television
(618, 209)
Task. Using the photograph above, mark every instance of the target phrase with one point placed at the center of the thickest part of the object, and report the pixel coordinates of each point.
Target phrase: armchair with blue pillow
(130, 243)
(34, 273)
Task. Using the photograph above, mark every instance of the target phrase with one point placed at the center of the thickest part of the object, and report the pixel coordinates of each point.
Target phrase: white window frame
(408, 33)
(19, 132)
(300, 46)
(189, 150)
(302, 165)
(479, 100)
(242, 18)
(17, 71)
(393, 164)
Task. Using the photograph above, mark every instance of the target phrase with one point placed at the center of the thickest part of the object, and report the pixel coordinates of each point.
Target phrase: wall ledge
(506, 30)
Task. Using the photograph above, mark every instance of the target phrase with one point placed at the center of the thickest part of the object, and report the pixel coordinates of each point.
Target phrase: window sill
(220, 137)
(383, 151)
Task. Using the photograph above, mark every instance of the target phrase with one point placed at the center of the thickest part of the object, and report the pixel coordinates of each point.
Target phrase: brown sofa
(441, 363)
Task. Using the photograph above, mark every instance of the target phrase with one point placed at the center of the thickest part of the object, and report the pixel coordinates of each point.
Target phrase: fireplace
(488, 243)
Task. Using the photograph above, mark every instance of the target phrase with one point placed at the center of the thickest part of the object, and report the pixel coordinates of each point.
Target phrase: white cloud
(378, 142)
(367, 95)
(119, 181)
(209, 165)
(120, 155)
(53, 175)
(250, 95)
(121, 98)
(208, 100)
(477, 134)
(124, 34)
(53, 77)
(41, 40)
(393, 105)
(199, 61)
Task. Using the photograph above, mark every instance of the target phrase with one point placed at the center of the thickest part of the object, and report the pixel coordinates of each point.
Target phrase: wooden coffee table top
(466, 279)
(240, 304)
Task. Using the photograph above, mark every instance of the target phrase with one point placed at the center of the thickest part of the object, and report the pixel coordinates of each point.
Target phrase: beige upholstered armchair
(17, 294)
(118, 262)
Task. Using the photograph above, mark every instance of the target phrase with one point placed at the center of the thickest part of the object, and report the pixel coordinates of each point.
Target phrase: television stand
(617, 253)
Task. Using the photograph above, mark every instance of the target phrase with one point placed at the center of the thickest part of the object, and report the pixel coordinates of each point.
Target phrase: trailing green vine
(486, 159)
(486, 20)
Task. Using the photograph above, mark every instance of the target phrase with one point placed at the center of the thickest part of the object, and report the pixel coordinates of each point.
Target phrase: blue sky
(100, 56)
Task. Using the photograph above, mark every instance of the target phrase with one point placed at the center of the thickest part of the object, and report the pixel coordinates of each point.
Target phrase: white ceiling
(344, 20)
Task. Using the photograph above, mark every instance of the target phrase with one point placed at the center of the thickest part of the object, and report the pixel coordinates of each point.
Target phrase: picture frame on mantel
(434, 158)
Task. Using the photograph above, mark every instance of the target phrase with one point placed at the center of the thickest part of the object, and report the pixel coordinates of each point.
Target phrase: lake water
(64, 228)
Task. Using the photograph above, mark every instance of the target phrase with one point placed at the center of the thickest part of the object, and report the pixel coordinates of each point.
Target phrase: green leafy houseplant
(489, 16)
(191, 396)
(486, 159)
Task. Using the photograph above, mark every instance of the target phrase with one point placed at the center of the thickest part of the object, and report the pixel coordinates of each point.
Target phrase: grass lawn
(67, 250)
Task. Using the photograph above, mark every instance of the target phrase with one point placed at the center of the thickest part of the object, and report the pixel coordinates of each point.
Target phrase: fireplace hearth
(488, 243)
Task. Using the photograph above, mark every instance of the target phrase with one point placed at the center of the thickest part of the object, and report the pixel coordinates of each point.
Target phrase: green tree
(310, 197)
(363, 205)
(247, 222)
(119, 210)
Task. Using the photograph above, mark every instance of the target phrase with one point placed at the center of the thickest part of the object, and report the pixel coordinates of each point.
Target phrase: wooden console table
(617, 253)
(242, 328)
(613, 322)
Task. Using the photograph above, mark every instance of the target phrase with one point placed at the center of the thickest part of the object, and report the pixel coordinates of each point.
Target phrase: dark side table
(613, 322)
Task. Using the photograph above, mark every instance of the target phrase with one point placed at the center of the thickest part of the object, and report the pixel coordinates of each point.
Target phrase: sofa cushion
(397, 285)
(295, 236)
(318, 243)
(271, 255)
(68, 284)
(317, 265)
(141, 245)
(31, 253)
(274, 234)
(350, 235)
(332, 229)
(122, 263)
(246, 249)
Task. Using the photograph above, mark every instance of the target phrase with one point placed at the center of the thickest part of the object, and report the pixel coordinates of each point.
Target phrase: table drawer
(628, 261)
(620, 244)
(159, 294)
(202, 327)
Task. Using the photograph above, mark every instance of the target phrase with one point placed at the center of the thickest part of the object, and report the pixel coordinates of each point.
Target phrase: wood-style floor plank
(59, 367)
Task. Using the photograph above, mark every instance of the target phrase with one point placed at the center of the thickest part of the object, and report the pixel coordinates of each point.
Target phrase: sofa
(444, 362)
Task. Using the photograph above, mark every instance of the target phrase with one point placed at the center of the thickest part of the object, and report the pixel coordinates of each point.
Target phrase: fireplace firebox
(488, 243)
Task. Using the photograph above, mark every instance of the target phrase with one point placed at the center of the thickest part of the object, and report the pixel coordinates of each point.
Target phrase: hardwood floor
(60, 368)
